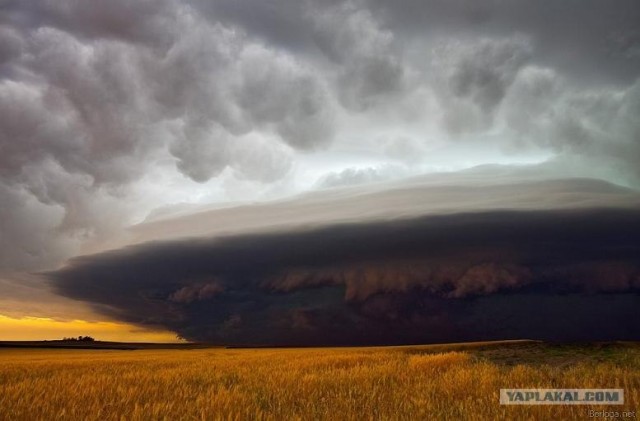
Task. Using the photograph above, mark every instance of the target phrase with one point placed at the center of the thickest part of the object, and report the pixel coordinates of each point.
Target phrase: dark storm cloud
(439, 278)
(590, 39)
(280, 22)
(92, 97)
(96, 97)
(477, 78)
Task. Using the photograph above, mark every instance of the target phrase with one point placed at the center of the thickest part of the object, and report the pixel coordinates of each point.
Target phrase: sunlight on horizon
(41, 328)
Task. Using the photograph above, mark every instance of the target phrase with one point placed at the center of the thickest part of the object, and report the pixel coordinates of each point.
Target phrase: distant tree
(79, 339)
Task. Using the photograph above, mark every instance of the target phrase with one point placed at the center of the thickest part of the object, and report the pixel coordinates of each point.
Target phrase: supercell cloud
(254, 171)
(556, 269)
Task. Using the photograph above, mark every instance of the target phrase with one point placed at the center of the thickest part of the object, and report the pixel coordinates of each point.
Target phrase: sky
(319, 172)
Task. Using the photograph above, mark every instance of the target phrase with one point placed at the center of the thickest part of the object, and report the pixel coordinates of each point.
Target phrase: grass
(404, 383)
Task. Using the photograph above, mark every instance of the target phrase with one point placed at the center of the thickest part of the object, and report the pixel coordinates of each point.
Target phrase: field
(406, 383)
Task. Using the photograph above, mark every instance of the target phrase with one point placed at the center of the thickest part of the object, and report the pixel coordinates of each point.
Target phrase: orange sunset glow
(42, 328)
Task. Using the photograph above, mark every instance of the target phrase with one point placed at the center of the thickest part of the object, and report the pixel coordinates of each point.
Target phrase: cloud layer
(96, 100)
(443, 277)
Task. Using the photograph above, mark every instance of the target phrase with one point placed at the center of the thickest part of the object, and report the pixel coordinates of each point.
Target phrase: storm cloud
(96, 100)
(556, 272)
(253, 125)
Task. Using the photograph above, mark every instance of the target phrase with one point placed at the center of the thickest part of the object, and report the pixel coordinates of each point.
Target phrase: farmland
(414, 382)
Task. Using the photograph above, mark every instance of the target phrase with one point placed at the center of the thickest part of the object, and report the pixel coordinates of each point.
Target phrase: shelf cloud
(441, 277)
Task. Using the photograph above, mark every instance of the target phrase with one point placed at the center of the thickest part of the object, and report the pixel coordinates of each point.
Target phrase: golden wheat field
(403, 383)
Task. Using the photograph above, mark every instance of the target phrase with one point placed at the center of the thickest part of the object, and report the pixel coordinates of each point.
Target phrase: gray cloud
(477, 76)
(100, 101)
(431, 279)
(411, 261)
(355, 176)
(90, 101)
(371, 68)
(10, 44)
(600, 127)
(591, 41)
(482, 189)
